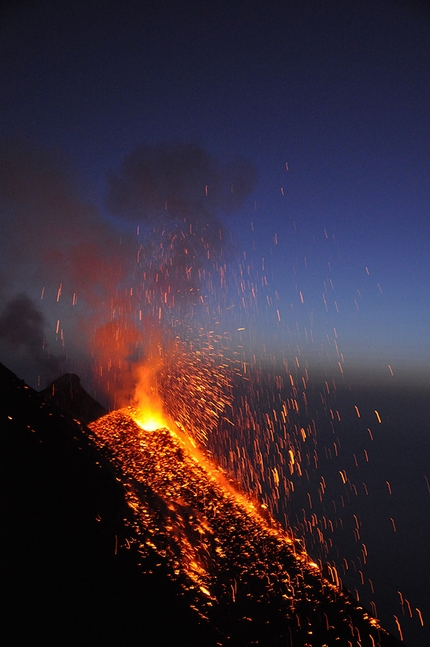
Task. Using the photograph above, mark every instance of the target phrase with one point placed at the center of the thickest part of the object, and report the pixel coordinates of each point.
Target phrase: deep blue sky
(339, 91)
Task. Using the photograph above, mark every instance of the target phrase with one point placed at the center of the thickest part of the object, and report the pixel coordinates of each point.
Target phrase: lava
(228, 553)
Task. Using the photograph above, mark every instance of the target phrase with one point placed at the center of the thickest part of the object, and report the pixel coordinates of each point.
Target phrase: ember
(228, 553)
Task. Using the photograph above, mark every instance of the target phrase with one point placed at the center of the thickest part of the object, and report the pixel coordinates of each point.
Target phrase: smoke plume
(177, 194)
(22, 332)
(175, 181)
(105, 292)
(55, 249)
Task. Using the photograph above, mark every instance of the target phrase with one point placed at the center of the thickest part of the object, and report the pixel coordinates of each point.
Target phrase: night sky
(327, 101)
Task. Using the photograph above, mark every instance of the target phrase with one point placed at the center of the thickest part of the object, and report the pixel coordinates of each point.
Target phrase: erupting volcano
(238, 569)
(216, 443)
(185, 547)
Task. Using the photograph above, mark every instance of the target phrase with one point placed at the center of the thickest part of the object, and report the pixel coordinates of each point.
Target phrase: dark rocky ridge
(67, 394)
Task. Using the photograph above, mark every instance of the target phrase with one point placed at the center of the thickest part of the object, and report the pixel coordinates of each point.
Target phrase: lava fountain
(203, 393)
(237, 567)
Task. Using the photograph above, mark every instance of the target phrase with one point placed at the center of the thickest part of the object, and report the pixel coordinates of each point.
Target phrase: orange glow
(147, 402)
(149, 421)
(420, 615)
(149, 406)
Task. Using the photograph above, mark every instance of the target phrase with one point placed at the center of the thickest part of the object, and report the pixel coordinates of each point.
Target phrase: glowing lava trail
(185, 326)
(237, 567)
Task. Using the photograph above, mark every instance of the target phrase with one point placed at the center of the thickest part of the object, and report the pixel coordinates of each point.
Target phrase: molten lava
(237, 568)
(149, 408)
(149, 420)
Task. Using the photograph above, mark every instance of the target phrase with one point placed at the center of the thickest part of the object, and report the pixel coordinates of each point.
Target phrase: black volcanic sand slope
(62, 512)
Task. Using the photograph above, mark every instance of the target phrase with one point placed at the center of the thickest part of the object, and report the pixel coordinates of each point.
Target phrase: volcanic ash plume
(58, 251)
(175, 195)
(102, 290)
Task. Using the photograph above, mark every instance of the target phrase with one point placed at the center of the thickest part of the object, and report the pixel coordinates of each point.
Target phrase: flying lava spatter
(175, 320)
(199, 391)
(237, 567)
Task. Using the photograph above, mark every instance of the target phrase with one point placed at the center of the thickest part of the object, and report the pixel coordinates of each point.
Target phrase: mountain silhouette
(67, 394)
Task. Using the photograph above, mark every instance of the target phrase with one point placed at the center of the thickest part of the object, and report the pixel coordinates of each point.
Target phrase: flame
(149, 410)
(150, 421)
(150, 415)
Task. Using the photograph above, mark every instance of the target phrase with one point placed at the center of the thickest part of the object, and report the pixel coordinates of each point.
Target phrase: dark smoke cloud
(50, 232)
(55, 242)
(178, 193)
(22, 333)
(173, 181)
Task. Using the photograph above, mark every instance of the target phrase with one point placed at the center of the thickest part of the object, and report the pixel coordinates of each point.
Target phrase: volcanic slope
(236, 567)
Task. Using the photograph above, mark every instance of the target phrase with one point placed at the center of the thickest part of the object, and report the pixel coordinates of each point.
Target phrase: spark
(216, 542)
(399, 628)
(420, 616)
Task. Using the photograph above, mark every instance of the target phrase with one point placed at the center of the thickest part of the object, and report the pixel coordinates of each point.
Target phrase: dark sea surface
(377, 497)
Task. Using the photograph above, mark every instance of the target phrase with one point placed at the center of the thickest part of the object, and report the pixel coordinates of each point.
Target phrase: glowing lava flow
(236, 568)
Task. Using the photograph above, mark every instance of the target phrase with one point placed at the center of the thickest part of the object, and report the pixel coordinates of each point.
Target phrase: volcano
(114, 534)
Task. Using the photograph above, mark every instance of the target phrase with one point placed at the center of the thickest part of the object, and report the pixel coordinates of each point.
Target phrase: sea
(365, 507)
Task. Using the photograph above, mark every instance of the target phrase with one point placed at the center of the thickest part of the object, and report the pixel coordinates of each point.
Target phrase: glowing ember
(227, 557)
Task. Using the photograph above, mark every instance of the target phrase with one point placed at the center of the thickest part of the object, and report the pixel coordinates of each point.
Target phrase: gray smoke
(22, 332)
(58, 250)
(177, 193)
(54, 244)
(173, 181)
